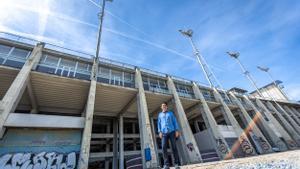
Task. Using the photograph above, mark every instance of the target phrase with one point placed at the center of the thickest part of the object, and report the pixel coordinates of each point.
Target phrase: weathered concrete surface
(282, 160)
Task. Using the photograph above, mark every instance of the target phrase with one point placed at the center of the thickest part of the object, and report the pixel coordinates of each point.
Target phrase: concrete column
(191, 148)
(288, 139)
(270, 130)
(83, 162)
(107, 145)
(292, 113)
(147, 140)
(211, 124)
(33, 101)
(115, 144)
(286, 124)
(134, 140)
(154, 139)
(242, 137)
(288, 115)
(196, 126)
(121, 142)
(13, 95)
(296, 112)
(263, 146)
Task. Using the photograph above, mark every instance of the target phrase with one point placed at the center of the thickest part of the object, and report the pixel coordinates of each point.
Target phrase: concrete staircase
(209, 155)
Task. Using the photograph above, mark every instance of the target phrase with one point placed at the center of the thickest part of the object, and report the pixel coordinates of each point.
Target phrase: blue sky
(145, 33)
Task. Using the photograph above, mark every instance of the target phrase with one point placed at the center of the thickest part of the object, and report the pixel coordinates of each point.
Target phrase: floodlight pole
(84, 155)
(189, 35)
(245, 72)
(100, 29)
(265, 69)
(272, 79)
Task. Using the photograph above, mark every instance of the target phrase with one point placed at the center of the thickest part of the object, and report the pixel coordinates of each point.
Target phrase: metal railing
(116, 63)
(158, 90)
(186, 95)
(18, 38)
(153, 72)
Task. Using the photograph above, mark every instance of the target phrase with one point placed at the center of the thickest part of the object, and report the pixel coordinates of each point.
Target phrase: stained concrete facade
(109, 109)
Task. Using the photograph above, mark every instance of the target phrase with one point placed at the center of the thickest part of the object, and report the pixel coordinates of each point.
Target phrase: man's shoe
(166, 167)
(177, 166)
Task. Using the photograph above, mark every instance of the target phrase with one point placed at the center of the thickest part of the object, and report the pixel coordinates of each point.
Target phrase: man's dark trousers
(165, 139)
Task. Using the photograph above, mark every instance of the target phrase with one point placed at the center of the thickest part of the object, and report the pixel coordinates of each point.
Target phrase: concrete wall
(204, 140)
(227, 131)
(273, 91)
(39, 148)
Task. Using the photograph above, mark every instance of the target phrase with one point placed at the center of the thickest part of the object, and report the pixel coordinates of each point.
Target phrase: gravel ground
(283, 160)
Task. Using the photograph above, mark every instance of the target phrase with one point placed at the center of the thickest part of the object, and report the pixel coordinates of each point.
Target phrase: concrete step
(211, 159)
(134, 162)
(209, 155)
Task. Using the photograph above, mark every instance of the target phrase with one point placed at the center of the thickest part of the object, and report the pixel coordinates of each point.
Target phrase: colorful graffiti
(221, 146)
(265, 146)
(245, 145)
(292, 144)
(263, 143)
(41, 160)
(26, 148)
(281, 145)
(190, 146)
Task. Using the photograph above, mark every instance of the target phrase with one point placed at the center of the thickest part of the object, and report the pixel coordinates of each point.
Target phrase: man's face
(164, 107)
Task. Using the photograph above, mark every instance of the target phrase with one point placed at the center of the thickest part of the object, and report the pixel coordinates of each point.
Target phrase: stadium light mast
(90, 104)
(207, 73)
(101, 16)
(236, 55)
(267, 70)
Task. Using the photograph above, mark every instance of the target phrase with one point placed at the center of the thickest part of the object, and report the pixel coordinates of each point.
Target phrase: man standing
(168, 130)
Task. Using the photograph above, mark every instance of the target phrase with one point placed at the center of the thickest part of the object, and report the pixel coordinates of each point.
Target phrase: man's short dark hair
(165, 103)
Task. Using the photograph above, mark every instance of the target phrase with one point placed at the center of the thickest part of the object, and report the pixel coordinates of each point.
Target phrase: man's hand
(177, 134)
(160, 135)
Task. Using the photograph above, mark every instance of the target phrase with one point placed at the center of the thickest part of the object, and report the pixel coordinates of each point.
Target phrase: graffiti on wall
(43, 160)
(221, 146)
(280, 144)
(265, 146)
(190, 146)
(292, 144)
(246, 146)
(262, 142)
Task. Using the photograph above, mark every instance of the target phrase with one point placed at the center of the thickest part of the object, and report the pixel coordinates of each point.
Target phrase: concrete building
(55, 110)
(274, 89)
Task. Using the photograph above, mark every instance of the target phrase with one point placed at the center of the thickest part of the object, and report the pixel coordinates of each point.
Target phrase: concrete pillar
(196, 126)
(292, 114)
(83, 162)
(289, 119)
(293, 133)
(270, 130)
(288, 139)
(211, 124)
(115, 144)
(107, 148)
(134, 140)
(191, 148)
(296, 112)
(32, 98)
(13, 95)
(147, 140)
(121, 142)
(154, 139)
(242, 137)
(263, 146)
